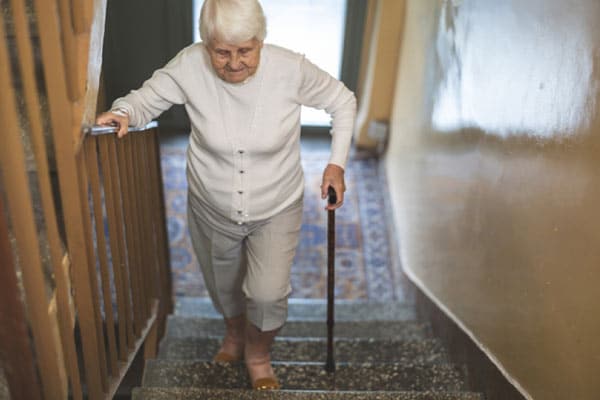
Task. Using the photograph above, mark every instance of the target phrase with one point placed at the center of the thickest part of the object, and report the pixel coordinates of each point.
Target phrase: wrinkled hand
(333, 176)
(111, 119)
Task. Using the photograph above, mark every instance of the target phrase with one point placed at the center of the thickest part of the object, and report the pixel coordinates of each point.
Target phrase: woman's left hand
(333, 176)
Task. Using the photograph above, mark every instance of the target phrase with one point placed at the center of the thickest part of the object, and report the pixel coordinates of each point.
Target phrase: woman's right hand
(112, 119)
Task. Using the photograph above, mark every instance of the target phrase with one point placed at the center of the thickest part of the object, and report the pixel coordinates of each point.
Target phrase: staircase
(381, 352)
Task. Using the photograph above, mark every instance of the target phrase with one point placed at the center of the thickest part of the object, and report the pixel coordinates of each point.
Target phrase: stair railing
(83, 244)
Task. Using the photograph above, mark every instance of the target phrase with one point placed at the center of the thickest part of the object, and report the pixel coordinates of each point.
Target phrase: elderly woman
(245, 178)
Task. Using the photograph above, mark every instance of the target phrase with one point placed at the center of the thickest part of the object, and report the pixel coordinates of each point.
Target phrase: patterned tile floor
(363, 262)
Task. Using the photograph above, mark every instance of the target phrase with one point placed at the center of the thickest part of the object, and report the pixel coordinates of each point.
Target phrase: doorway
(311, 27)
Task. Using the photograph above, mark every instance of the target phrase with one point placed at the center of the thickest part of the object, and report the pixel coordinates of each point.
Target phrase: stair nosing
(308, 391)
(300, 363)
(312, 309)
(417, 376)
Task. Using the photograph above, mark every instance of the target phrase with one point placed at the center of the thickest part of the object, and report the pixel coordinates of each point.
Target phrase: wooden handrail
(19, 203)
(109, 204)
(64, 313)
(97, 130)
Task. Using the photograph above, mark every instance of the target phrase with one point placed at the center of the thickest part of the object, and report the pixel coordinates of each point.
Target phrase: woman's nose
(234, 63)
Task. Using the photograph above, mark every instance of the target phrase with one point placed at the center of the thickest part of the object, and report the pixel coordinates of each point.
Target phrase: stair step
(312, 310)
(180, 327)
(295, 349)
(308, 376)
(220, 394)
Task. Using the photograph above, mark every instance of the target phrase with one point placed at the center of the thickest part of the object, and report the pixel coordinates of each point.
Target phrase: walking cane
(332, 199)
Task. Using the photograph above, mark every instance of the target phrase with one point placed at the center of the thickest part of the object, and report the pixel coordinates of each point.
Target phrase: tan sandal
(269, 383)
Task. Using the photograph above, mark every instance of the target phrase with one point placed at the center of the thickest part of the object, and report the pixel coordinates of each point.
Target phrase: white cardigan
(243, 161)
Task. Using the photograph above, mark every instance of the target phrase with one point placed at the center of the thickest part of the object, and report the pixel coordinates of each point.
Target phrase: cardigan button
(241, 171)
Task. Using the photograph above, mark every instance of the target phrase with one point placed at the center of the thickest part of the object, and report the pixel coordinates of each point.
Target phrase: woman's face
(234, 63)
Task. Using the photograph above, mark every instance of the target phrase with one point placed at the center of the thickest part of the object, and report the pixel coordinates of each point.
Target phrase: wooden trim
(115, 237)
(94, 176)
(82, 13)
(65, 268)
(21, 24)
(151, 342)
(155, 216)
(148, 231)
(12, 161)
(127, 187)
(139, 198)
(92, 277)
(64, 28)
(165, 277)
(119, 190)
(27, 67)
(151, 240)
(71, 53)
(56, 337)
(63, 130)
(15, 348)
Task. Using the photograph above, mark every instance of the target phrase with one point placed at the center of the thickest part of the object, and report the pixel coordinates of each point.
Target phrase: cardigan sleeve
(156, 95)
(320, 90)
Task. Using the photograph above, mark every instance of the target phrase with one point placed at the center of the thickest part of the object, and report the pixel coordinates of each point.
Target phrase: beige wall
(494, 171)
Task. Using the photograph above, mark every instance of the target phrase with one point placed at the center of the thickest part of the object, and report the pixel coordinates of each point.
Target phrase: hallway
(383, 348)
(365, 268)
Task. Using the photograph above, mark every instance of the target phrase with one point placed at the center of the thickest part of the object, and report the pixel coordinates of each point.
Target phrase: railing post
(74, 195)
(19, 204)
(34, 113)
(15, 348)
(37, 344)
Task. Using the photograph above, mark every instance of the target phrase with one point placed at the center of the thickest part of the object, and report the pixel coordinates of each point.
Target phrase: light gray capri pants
(246, 267)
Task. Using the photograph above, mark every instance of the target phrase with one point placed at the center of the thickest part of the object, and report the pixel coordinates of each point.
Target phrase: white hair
(232, 21)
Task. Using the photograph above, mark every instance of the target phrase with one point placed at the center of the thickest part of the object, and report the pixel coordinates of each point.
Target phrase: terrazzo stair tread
(242, 394)
(313, 309)
(308, 376)
(312, 349)
(180, 327)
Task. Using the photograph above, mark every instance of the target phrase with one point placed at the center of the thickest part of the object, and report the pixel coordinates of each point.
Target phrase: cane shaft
(330, 363)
